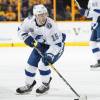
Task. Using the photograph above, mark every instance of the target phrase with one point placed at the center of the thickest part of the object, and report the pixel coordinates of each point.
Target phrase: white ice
(74, 65)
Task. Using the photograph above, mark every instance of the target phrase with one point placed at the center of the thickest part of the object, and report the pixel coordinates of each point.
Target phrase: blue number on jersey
(55, 37)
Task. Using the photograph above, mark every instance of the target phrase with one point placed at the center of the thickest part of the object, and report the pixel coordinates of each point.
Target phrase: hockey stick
(78, 4)
(53, 67)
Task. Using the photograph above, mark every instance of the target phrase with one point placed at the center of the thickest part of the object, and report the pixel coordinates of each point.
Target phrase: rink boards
(78, 34)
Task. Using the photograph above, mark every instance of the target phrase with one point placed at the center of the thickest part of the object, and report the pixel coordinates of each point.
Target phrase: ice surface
(74, 65)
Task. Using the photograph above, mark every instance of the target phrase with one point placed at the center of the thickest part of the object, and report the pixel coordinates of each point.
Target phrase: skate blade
(94, 69)
(26, 93)
(41, 94)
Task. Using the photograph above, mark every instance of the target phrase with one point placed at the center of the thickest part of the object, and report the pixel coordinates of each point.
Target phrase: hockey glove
(48, 58)
(84, 12)
(31, 42)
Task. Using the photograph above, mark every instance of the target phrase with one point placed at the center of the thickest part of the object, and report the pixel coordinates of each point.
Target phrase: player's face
(41, 18)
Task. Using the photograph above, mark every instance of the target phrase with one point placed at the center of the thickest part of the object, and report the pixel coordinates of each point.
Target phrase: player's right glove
(31, 42)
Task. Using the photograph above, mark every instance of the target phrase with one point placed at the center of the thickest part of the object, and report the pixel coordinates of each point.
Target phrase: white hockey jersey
(49, 33)
(94, 9)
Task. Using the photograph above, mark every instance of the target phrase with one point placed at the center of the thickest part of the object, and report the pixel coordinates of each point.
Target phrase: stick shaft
(78, 4)
(53, 67)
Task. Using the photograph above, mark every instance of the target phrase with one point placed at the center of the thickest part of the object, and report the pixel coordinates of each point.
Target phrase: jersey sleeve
(23, 29)
(55, 38)
(93, 13)
(54, 49)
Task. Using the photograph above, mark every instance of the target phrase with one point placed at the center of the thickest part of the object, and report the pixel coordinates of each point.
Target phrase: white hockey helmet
(39, 9)
(40, 12)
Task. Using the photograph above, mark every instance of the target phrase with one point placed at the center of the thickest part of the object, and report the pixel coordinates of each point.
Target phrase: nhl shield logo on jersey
(48, 25)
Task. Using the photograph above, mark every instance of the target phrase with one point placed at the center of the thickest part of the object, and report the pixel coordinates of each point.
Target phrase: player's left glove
(48, 58)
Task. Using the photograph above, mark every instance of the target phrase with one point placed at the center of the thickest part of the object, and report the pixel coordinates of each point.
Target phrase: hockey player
(93, 11)
(41, 32)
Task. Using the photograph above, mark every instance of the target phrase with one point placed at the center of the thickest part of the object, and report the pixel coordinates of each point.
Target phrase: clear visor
(41, 18)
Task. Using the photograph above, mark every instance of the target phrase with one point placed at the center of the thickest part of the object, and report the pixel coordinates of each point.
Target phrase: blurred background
(64, 12)
(59, 10)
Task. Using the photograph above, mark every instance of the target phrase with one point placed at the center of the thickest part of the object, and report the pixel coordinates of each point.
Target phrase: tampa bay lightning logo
(48, 25)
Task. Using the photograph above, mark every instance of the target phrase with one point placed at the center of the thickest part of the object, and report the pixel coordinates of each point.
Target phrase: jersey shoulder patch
(49, 25)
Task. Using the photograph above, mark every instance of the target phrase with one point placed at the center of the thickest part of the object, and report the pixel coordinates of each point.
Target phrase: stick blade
(83, 97)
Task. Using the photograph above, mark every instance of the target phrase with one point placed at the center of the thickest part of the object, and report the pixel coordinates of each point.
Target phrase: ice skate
(26, 89)
(97, 65)
(43, 88)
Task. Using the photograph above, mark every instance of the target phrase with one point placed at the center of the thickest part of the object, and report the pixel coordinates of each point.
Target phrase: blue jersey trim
(95, 50)
(97, 10)
(47, 72)
(29, 74)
